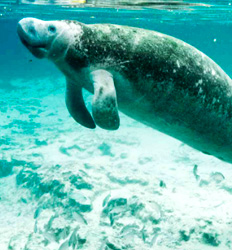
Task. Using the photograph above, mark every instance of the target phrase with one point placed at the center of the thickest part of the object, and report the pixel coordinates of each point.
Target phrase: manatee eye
(52, 29)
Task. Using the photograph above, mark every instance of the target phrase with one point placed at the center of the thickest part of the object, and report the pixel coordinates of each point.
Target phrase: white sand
(74, 188)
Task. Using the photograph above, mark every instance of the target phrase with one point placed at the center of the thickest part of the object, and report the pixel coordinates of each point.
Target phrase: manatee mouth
(29, 45)
(38, 50)
(34, 45)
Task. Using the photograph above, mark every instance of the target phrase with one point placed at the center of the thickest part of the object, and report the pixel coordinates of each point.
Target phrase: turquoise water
(65, 187)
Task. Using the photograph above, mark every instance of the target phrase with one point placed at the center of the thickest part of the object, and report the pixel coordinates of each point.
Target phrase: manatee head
(48, 39)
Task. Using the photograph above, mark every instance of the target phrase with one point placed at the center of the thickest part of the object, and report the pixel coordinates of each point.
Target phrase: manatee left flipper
(104, 105)
(76, 106)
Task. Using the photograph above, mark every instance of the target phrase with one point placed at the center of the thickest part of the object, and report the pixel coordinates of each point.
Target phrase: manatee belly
(180, 116)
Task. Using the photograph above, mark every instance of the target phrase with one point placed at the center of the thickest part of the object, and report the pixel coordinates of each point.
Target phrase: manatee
(153, 78)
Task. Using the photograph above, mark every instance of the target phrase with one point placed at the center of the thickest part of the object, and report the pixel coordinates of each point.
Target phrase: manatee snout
(34, 35)
(28, 32)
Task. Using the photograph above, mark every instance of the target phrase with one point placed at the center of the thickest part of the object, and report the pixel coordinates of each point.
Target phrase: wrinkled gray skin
(153, 78)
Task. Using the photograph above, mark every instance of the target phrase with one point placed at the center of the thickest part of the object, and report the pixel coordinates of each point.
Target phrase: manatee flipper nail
(104, 105)
(76, 106)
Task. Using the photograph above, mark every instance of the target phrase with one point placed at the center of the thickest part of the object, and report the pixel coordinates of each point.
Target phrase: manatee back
(176, 88)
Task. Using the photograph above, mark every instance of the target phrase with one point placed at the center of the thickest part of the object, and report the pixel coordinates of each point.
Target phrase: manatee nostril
(31, 30)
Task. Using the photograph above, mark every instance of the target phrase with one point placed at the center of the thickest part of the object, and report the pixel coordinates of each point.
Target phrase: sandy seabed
(65, 187)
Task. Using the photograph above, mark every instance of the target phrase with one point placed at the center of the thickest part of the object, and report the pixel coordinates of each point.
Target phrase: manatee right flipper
(76, 106)
(104, 105)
